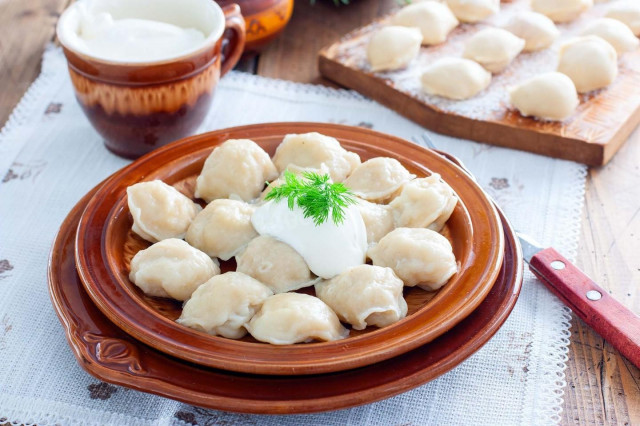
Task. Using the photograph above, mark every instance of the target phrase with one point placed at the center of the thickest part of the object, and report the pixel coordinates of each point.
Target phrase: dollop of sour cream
(328, 249)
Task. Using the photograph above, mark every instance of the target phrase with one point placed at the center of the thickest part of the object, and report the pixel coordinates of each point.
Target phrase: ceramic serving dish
(105, 244)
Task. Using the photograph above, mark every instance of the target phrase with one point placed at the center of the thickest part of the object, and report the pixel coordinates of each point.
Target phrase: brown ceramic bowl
(140, 106)
(105, 245)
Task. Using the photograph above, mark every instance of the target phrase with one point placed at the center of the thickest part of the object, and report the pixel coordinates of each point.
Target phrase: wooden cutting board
(603, 121)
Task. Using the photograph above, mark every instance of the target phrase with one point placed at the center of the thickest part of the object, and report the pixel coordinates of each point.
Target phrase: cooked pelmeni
(378, 179)
(224, 305)
(171, 268)
(616, 33)
(160, 211)
(590, 62)
(223, 228)
(365, 295)
(627, 12)
(424, 203)
(274, 264)
(378, 220)
(455, 78)
(561, 10)
(289, 318)
(315, 150)
(419, 257)
(493, 48)
(434, 20)
(549, 96)
(236, 169)
(473, 10)
(393, 47)
(538, 31)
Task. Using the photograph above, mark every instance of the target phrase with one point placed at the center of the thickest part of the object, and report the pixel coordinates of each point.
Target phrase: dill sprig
(315, 195)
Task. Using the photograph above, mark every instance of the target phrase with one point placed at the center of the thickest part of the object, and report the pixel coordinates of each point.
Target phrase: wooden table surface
(602, 387)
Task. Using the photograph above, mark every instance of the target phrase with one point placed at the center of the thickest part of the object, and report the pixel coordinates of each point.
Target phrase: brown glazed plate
(105, 244)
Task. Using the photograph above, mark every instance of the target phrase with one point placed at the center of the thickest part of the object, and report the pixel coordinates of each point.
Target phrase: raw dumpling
(378, 179)
(365, 295)
(236, 169)
(424, 203)
(434, 20)
(627, 12)
(590, 62)
(315, 150)
(538, 31)
(171, 268)
(615, 32)
(561, 10)
(493, 48)
(393, 47)
(378, 220)
(274, 264)
(549, 96)
(418, 256)
(455, 78)
(160, 211)
(289, 318)
(224, 305)
(223, 228)
(473, 10)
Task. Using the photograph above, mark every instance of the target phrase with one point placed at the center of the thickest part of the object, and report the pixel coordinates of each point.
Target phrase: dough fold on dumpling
(537, 30)
(378, 220)
(435, 20)
(549, 96)
(616, 33)
(473, 10)
(419, 257)
(590, 62)
(378, 179)
(171, 268)
(393, 47)
(493, 48)
(160, 211)
(289, 318)
(224, 305)
(561, 10)
(365, 295)
(455, 78)
(627, 12)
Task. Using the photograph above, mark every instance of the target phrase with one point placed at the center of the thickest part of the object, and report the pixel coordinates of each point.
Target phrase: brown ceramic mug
(138, 106)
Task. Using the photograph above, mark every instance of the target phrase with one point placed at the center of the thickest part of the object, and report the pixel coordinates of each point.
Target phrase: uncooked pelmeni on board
(493, 48)
(549, 96)
(616, 33)
(236, 169)
(365, 295)
(378, 220)
(561, 10)
(393, 48)
(223, 228)
(538, 31)
(288, 318)
(378, 179)
(590, 62)
(171, 268)
(224, 304)
(160, 211)
(455, 78)
(627, 12)
(435, 20)
(473, 10)
(419, 257)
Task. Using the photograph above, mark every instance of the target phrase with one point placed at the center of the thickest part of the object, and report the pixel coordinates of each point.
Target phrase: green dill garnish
(315, 195)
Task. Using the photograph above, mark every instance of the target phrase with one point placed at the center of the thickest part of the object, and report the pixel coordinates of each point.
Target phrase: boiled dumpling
(365, 295)
(224, 305)
(160, 211)
(615, 32)
(289, 318)
(424, 203)
(393, 47)
(418, 256)
(493, 48)
(627, 12)
(561, 10)
(171, 268)
(538, 31)
(236, 169)
(473, 10)
(315, 150)
(378, 220)
(434, 20)
(274, 264)
(378, 179)
(455, 78)
(549, 96)
(590, 62)
(223, 228)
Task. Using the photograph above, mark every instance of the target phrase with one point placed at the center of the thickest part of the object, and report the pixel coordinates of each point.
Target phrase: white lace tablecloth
(50, 157)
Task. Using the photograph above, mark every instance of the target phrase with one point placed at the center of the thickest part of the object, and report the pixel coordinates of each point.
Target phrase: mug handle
(233, 38)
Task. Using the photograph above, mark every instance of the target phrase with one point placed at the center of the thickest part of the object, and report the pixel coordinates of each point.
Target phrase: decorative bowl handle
(233, 37)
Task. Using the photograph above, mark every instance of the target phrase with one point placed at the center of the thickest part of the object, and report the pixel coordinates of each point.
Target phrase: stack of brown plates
(121, 336)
